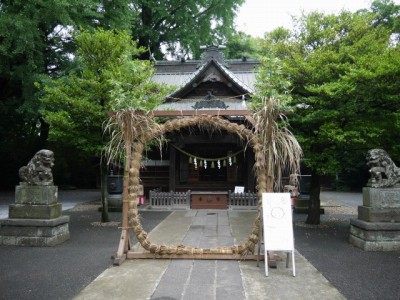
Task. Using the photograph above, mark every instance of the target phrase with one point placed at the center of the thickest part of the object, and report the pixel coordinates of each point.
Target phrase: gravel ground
(61, 272)
(356, 273)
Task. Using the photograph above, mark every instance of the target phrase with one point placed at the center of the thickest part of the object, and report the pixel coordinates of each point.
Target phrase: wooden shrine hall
(200, 167)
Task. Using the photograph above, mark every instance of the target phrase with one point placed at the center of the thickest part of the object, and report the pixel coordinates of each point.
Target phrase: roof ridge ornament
(213, 52)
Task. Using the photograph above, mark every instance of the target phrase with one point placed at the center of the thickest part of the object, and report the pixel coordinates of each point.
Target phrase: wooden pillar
(172, 168)
(251, 184)
(124, 244)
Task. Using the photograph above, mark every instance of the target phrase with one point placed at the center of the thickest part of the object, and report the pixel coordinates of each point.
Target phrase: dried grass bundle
(274, 147)
(124, 127)
(280, 148)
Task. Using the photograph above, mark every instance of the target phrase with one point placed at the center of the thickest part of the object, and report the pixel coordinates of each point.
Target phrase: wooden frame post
(124, 243)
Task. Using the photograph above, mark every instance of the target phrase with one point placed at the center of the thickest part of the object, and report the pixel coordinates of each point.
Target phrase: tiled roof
(236, 79)
(186, 75)
(177, 73)
(172, 79)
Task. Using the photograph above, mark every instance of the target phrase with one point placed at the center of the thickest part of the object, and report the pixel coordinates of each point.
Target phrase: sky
(256, 17)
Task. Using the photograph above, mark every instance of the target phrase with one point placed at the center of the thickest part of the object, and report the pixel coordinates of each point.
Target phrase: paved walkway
(80, 267)
(208, 279)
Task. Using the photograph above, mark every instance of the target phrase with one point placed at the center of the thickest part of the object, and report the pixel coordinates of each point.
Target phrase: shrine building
(205, 163)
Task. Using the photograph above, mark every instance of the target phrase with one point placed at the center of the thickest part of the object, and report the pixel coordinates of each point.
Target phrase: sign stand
(278, 226)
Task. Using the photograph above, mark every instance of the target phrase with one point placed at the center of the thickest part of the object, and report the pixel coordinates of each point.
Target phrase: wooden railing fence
(169, 199)
(173, 200)
(242, 200)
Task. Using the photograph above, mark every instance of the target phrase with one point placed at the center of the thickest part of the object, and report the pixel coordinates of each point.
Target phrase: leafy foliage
(76, 105)
(280, 148)
(108, 78)
(241, 45)
(36, 43)
(32, 45)
(271, 83)
(182, 25)
(345, 77)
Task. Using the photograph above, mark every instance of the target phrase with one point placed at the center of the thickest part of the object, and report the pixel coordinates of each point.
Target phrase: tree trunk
(104, 201)
(314, 205)
(44, 134)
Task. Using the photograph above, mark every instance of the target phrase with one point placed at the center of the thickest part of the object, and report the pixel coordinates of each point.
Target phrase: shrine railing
(176, 200)
(171, 200)
(242, 200)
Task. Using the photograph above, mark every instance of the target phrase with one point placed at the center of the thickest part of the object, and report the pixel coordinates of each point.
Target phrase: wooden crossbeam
(146, 255)
(272, 261)
(176, 113)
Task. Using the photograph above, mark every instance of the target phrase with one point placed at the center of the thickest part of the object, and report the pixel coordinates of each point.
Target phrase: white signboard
(239, 189)
(278, 226)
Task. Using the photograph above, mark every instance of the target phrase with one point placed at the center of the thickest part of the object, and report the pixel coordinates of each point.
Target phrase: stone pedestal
(378, 225)
(35, 219)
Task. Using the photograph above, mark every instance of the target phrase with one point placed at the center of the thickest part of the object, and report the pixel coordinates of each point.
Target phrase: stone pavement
(208, 279)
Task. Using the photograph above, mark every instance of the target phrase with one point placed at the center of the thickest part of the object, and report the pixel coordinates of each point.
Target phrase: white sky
(259, 16)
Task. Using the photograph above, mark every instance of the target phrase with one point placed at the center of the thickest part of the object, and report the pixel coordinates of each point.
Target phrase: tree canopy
(33, 44)
(241, 45)
(107, 79)
(345, 73)
(182, 26)
(343, 69)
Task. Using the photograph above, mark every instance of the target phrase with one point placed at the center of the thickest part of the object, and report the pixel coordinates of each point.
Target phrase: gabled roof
(180, 78)
(211, 83)
(199, 76)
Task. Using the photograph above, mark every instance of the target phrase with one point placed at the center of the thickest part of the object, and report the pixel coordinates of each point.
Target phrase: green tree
(387, 14)
(108, 79)
(182, 25)
(241, 45)
(270, 103)
(344, 71)
(36, 42)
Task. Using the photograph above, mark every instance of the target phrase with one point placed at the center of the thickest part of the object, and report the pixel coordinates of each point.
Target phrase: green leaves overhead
(108, 79)
(37, 45)
(182, 25)
(345, 75)
(241, 45)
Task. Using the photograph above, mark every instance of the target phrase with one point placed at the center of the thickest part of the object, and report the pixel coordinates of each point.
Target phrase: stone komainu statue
(384, 172)
(38, 170)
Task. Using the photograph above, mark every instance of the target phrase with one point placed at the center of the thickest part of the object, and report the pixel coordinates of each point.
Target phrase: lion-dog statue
(38, 170)
(384, 172)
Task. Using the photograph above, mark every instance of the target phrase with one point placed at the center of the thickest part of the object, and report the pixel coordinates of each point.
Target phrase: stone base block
(26, 211)
(381, 197)
(370, 214)
(36, 233)
(375, 236)
(36, 195)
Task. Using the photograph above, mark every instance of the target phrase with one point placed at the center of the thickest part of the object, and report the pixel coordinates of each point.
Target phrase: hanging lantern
(212, 165)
